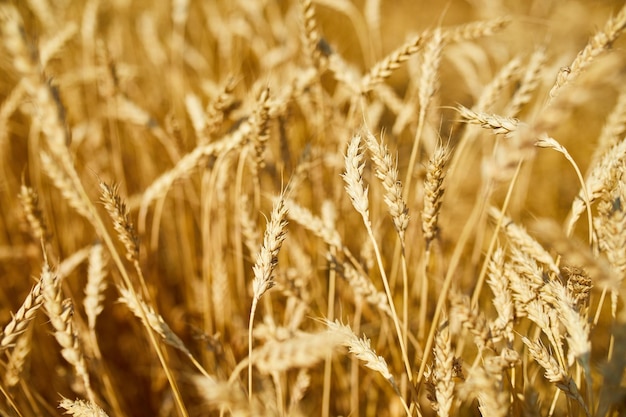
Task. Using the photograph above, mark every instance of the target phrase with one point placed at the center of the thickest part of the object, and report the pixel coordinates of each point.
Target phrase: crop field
(312, 208)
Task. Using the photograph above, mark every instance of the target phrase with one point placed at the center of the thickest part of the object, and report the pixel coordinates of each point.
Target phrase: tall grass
(302, 208)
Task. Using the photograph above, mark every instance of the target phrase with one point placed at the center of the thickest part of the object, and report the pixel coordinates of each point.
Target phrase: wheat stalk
(554, 372)
(357, 191)
(263, 269)
(60, 313)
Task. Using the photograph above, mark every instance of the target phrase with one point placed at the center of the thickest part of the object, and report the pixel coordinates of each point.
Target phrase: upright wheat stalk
(357, 191)
(266, 261)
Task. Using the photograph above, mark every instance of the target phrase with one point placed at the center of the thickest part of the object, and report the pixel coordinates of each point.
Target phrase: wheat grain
(219, 108)
(298, 390)
(487, 388)
(579, 286)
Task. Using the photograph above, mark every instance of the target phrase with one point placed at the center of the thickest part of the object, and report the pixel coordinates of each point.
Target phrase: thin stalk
(252, 312)
(394, 314)
(494, 237)
(330, 314)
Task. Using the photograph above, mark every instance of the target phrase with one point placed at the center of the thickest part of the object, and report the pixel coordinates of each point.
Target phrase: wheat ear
(610, 227)
(529, 82)
(493, 90)
(266, 261)
(60, 313)
(545, 141)
(30, 203)
(357, 191)
(498, 281)
(362, 350)
(81, 408)
(384, 68)
(475, 30)
(615, 126)
(17, 358)
(598, 44)
(600, 179)
(443, 371)
(96, 284)
(433, 193)
(387, 172)
(519, 237)
(498, 124)
(554, 372)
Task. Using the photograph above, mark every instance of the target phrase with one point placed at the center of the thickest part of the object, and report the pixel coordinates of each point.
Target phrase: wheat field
(312, 208)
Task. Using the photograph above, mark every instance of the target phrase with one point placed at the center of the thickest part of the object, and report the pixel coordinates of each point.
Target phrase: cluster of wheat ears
(313, 207)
